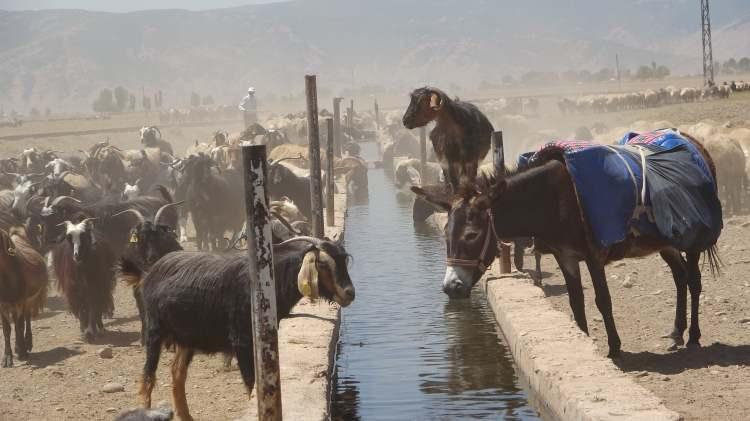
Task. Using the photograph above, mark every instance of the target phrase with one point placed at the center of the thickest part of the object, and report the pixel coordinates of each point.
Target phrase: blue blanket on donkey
(681, 203)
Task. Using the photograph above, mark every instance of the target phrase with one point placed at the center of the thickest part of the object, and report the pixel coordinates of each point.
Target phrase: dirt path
(712, 383)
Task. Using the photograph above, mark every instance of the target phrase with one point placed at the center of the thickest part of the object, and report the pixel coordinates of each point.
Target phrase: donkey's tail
(714, 261)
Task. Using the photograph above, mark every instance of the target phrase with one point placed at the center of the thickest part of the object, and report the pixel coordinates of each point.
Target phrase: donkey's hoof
(7, 361)
(614, 354)
(693, 345)
(674, 346)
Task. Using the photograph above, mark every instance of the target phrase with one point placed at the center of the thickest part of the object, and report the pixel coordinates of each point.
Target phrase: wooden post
(337, 125)
(330, 178)
(313, 132)
(423, 154)
(262, 283)
(498, 159)
(377, 115)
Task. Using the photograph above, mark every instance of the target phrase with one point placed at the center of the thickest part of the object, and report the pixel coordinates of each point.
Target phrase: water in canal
(406, 352)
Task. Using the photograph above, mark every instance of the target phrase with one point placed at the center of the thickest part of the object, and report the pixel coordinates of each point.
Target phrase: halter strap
(480, 262)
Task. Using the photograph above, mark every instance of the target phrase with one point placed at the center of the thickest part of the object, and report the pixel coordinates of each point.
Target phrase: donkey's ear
(435, 195)
(497, 190)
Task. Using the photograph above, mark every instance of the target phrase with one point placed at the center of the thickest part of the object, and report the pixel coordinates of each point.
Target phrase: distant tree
(730, 66)
(744, 64)
(47, 113)
(207, 100)
(644, 72)
(508, 80)
(603, 75)
(121, 98)
(662, 72)
(146, 101)
(34, 113)
(195, 100)
(161, 99)
(105, 102)
(131, 102)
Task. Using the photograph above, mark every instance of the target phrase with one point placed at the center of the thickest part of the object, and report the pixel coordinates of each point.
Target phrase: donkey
(541, 201)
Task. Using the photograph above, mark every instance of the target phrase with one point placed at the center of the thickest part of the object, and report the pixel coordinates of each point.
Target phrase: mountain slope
(63, 57)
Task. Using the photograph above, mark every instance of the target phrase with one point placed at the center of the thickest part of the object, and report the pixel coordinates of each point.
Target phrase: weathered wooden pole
(498, 159)
(423, 153)
(337, 125)
(262, 284)
(377, 115)
(330, 178)
(313, 132)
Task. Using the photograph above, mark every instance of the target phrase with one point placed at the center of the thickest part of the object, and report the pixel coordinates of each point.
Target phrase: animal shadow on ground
(719, 354)
(52, 356)
(118, 338)
(122, 321)
(46, 315)
(555, 290)
(56, 304)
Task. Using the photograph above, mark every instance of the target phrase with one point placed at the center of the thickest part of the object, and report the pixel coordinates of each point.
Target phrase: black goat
(462, 134)
(283, 182)
(47, 215)
(201, 302)
(214, 199)
(84, 265)
(150, 240)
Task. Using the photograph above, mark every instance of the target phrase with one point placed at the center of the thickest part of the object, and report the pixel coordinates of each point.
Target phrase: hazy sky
(124, 5)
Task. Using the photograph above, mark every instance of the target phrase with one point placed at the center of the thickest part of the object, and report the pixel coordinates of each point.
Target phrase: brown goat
(462, 133)
(23, 290)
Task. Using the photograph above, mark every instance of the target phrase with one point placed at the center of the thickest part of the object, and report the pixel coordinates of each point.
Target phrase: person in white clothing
(249, 107)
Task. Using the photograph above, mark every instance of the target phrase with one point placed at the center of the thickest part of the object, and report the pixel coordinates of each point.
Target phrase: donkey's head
(471, 244)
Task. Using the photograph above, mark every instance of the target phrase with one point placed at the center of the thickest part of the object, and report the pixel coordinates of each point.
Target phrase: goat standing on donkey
(462, 134)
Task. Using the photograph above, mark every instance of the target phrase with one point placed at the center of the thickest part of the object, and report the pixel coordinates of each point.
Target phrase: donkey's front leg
(604, 304)
(572, 273)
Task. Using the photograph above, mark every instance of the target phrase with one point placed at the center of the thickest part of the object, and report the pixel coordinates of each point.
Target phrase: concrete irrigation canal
(405, 351)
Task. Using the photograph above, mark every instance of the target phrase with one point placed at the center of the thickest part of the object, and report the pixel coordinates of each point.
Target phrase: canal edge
(567, 378)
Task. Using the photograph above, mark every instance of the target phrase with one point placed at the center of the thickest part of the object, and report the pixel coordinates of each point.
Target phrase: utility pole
(619, 75)
(708, 57)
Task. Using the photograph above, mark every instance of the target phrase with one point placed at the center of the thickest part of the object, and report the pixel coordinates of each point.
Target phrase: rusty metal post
(337, 125)
(498, 159)
(262, 283)
(313, 132)
(423, 153)
(330, 176)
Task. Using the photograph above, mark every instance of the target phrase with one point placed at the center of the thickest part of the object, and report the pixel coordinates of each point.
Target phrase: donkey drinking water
(545, 200)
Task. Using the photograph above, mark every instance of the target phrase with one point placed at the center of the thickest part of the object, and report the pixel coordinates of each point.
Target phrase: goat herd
(105, 216)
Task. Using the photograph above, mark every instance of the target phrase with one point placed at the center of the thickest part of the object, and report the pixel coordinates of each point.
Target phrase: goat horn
(163, 208)
(286, 223)
(435, 102)
(61, 198)
(135, 212)
(12, 174)
(312, 240)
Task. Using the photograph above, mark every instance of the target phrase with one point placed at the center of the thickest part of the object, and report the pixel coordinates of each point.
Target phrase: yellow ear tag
(133, 238)
(306, 289)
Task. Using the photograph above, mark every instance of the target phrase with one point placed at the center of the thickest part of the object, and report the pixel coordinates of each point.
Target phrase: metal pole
(498, 159)
(337, 125)
(262, 284)
(423, 152)
(329, 180)
(377, 115)
(313, 132)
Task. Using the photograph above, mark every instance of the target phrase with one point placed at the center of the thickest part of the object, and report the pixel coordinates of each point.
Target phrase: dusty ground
(711, 383)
